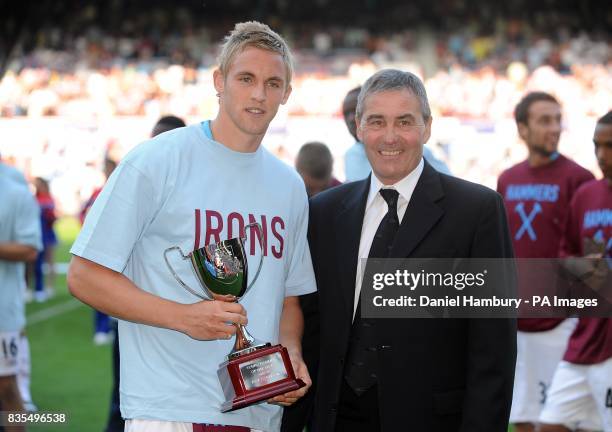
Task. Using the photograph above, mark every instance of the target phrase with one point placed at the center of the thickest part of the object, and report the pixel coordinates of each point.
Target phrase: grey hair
(393, 79)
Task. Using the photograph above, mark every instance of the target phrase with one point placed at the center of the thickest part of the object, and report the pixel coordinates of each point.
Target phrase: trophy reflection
(254, 371)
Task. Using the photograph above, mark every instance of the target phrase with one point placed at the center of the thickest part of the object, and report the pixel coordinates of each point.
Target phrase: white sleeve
(27, 221)
(300, 276)
(118, 218)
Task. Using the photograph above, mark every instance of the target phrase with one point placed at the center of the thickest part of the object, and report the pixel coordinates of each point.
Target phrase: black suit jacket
(434, 375)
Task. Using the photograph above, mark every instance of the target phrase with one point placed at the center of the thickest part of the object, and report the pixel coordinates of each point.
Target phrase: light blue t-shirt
(182, 188)
(357, 166)
(19, 223)
(12, 173)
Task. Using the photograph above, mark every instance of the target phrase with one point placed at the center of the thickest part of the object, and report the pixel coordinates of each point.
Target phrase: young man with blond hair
(191, 187)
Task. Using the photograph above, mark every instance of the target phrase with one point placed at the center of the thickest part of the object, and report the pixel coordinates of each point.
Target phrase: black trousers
(358, 413)
(115, 423)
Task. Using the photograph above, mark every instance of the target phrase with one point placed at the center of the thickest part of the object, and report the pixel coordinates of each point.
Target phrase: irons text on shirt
(233, 225)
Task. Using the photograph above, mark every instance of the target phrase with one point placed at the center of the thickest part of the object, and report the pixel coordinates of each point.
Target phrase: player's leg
(39, 278)
(23, 376)
(600, 381)
(10, 399)
(102, 334)
(523, 398)
(538, 355)
(570, 405)
(50, 264)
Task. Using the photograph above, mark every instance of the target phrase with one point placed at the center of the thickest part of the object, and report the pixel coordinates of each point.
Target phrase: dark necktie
(361, 367)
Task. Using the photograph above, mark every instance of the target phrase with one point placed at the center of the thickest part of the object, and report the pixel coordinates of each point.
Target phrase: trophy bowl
(254, 371)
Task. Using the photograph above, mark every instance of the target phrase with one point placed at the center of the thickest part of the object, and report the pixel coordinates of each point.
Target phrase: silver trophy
(254, 371)
(222, 270)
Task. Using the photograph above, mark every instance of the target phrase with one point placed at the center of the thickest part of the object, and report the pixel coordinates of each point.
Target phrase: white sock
(25, 367)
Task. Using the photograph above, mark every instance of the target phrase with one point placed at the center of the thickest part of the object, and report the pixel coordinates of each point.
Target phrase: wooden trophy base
(256, 377)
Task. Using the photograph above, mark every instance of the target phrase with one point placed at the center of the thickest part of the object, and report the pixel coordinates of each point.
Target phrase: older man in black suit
(422, 375)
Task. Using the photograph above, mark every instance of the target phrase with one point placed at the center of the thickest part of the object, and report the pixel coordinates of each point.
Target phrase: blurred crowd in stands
(97, 69)
(477, 59)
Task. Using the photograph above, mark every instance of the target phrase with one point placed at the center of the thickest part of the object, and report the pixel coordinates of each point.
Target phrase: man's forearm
(11, 251)
(114, 294)
(292, 325)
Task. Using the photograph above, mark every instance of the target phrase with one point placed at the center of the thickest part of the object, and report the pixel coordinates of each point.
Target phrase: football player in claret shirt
(191, 187)
(537, 193)
(581, 392)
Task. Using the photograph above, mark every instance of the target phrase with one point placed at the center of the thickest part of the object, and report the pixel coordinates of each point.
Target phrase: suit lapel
(421, 215)
(348, 224)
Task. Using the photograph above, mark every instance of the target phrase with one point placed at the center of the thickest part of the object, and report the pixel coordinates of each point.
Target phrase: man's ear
(523, 131)
(427, 131)
(358, 129)
(219, 81)
(287, 93)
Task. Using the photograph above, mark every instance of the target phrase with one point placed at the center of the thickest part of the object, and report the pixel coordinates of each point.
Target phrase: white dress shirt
(375, 211)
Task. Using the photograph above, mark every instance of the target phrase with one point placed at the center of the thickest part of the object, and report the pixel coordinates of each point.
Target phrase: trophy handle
(262, 245)
(176, 276)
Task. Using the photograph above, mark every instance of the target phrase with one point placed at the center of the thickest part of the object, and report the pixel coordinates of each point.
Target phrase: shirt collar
(405, 186)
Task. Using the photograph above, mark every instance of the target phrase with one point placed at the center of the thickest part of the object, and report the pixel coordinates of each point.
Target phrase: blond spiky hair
(253, 34)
